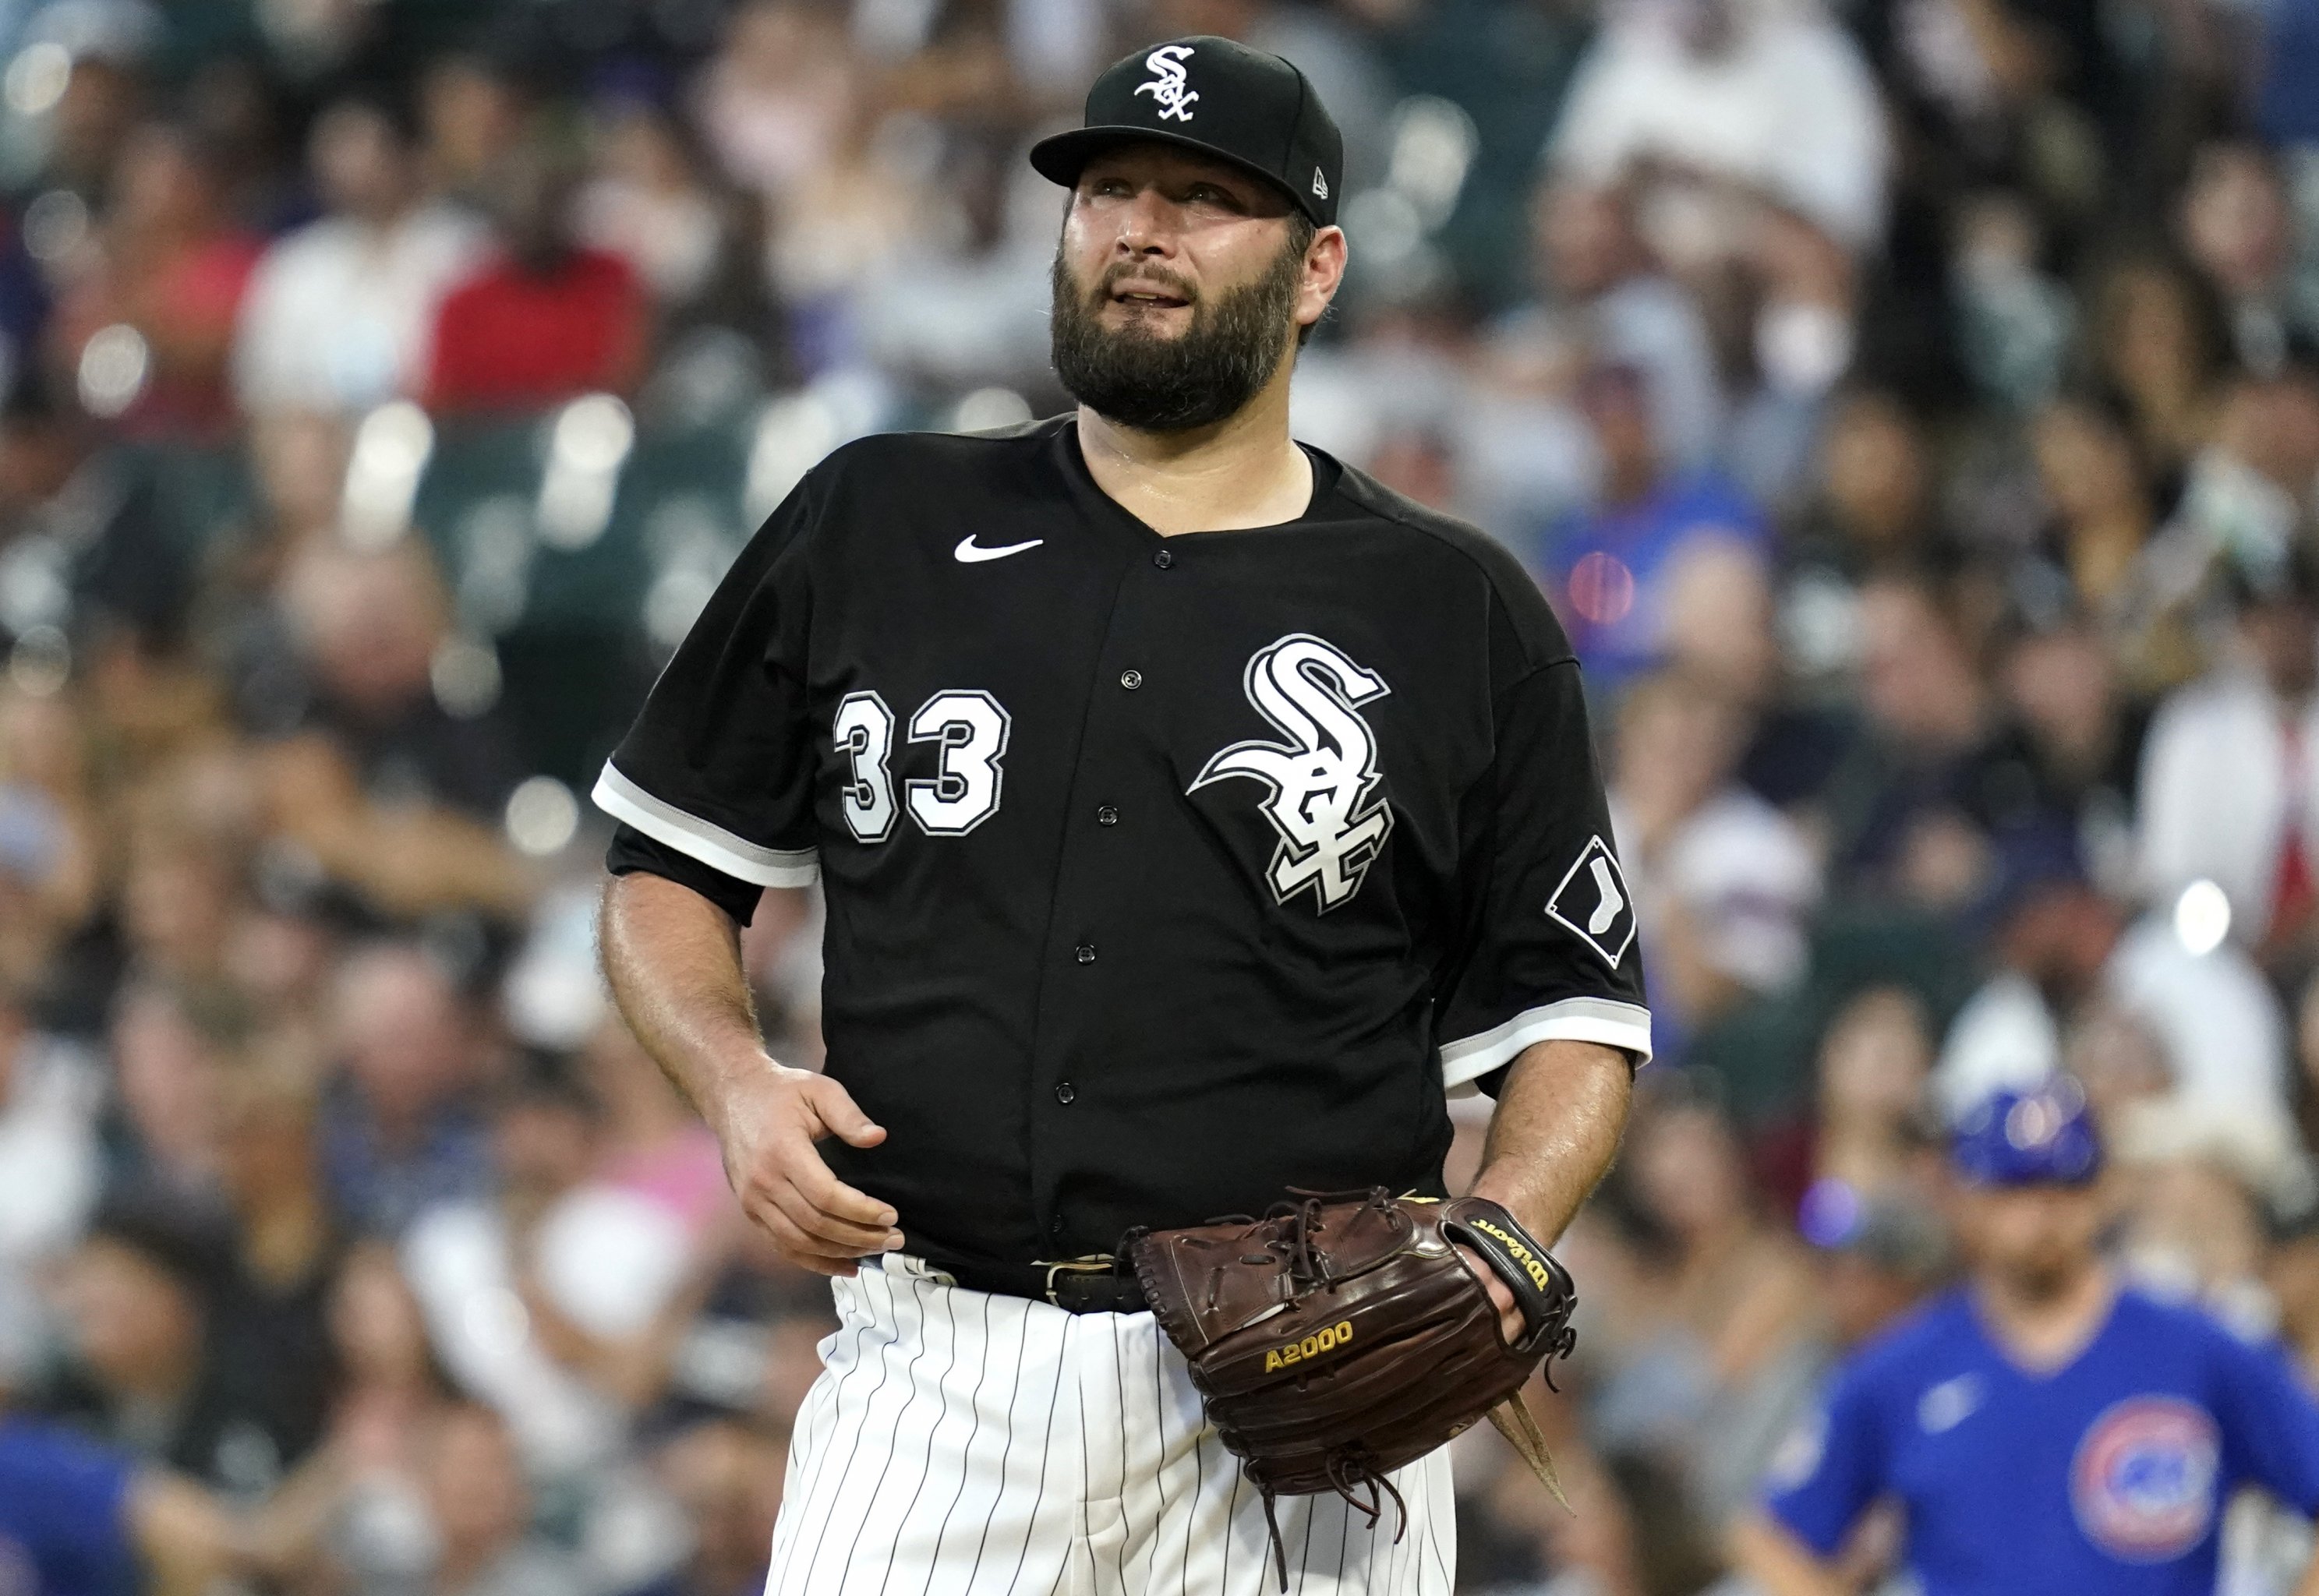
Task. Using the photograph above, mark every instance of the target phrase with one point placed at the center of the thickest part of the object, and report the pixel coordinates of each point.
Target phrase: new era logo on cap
(1219, 96)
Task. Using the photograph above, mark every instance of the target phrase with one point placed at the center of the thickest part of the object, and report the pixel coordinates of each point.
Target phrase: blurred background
(1910, 406)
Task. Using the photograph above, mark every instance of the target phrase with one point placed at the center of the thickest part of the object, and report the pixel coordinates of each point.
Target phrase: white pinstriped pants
(963, 1444)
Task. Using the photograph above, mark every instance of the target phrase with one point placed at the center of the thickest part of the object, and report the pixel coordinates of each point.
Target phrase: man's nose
(1148, 224)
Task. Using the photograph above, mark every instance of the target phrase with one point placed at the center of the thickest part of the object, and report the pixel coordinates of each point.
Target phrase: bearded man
(1195, 815)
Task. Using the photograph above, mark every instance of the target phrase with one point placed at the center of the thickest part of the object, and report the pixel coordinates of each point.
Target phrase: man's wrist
(1506, 1194)
(731, 1076)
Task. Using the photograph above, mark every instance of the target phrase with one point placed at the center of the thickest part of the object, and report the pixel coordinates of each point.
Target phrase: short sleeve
(2271, 1423)
(1828, 1470)
(720, 764)
(1552, 955)
(630, 850)
(67, 1501)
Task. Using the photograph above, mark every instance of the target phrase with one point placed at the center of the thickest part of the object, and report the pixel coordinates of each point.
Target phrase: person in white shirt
(1725, 882)
(50, 1161)
(1767, 95)
(339, 313)
(2064, 951)
(2229, 776)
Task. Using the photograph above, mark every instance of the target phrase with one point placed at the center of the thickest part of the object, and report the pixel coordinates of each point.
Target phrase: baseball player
(2042, 1429)
(1194, 814)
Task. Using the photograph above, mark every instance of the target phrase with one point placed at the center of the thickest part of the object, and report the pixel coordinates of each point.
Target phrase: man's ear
(1324, 274)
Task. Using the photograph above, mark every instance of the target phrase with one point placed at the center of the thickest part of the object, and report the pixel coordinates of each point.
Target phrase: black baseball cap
(1254, 109)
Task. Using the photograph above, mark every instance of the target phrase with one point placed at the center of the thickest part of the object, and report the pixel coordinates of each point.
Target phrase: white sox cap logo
(1166, 66)
(1323, 778)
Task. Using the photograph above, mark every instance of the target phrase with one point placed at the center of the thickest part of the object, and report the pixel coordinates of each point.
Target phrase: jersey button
(1164, 558)
(1065, 1092)
(1086, 952)
(1131, 680)
(1107, 816)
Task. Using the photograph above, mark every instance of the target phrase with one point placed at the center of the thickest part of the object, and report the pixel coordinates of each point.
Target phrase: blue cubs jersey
(2109, 1473)
(64, 1528)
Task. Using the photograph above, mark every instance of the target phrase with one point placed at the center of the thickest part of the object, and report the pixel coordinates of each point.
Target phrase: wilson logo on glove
(1539, 1275)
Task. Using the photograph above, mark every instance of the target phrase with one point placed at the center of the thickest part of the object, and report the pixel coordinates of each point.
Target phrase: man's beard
(1201, 377)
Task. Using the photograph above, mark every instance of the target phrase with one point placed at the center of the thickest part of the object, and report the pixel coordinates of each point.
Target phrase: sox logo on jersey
(1167, 85)
(1323, 778)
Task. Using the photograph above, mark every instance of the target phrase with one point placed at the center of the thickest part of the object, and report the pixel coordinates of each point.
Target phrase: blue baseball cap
(2040, 1138)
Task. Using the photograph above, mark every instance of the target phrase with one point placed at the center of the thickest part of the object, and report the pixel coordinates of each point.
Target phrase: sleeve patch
(1593, 903)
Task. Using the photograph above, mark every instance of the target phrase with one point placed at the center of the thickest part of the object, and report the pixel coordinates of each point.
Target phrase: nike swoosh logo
(970, 553)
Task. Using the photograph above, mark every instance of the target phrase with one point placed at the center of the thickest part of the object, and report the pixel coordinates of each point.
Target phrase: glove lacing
(1351, 1470)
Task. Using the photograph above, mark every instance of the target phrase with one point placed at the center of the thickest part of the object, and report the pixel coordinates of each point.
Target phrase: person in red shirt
(172, 266)
(546, 317)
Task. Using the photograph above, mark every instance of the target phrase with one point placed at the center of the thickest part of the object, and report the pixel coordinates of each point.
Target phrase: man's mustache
(1158, 277)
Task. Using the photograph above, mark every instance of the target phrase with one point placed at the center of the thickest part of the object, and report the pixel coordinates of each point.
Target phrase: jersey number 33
(972, 727)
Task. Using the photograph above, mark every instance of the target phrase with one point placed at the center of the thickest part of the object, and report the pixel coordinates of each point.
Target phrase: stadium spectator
(1605, 302)
(1870, 510)
(2060, 946)
(1611, 568)
(471, 112)
(401, 1130)
(163, 1057)
(2071, 741)
(2157, 340)
(591, 1265)
(87, 545)
(2229, 787)
(338, 315)
(139, 1373)
(652, 1143)
(473, 1536)
(1871, 1115)
(1726, 881)
(269, 1337)
(728, 1478)
(1902, 806)
(647, 204)
(777, 97)
(388, 788)
(1724, 104)
(2236, 228)
(543, 319)
(49, 1160)
(1722, 1322)
(172, 269)
(75, 1516)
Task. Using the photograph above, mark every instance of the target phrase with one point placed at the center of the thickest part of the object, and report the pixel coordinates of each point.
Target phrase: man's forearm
(1768, 1554)
(1554, 1132)
(673, 962)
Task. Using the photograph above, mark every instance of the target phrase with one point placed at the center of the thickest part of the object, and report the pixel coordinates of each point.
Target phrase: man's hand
(1511, 1325)
(767, 1124)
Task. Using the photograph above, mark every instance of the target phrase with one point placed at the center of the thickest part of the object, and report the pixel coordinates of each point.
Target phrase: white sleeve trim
(1605, 1020)
(711, 844)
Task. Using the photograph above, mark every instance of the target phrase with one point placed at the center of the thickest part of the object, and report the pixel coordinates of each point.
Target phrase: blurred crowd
(1910, 406)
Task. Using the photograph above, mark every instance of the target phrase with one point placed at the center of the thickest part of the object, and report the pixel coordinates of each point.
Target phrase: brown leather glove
(1338, 1338)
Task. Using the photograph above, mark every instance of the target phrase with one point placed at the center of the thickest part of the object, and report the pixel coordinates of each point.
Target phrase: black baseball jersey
(1163, 874)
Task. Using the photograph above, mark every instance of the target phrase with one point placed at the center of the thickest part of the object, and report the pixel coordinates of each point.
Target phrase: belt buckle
(1078, 1266)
